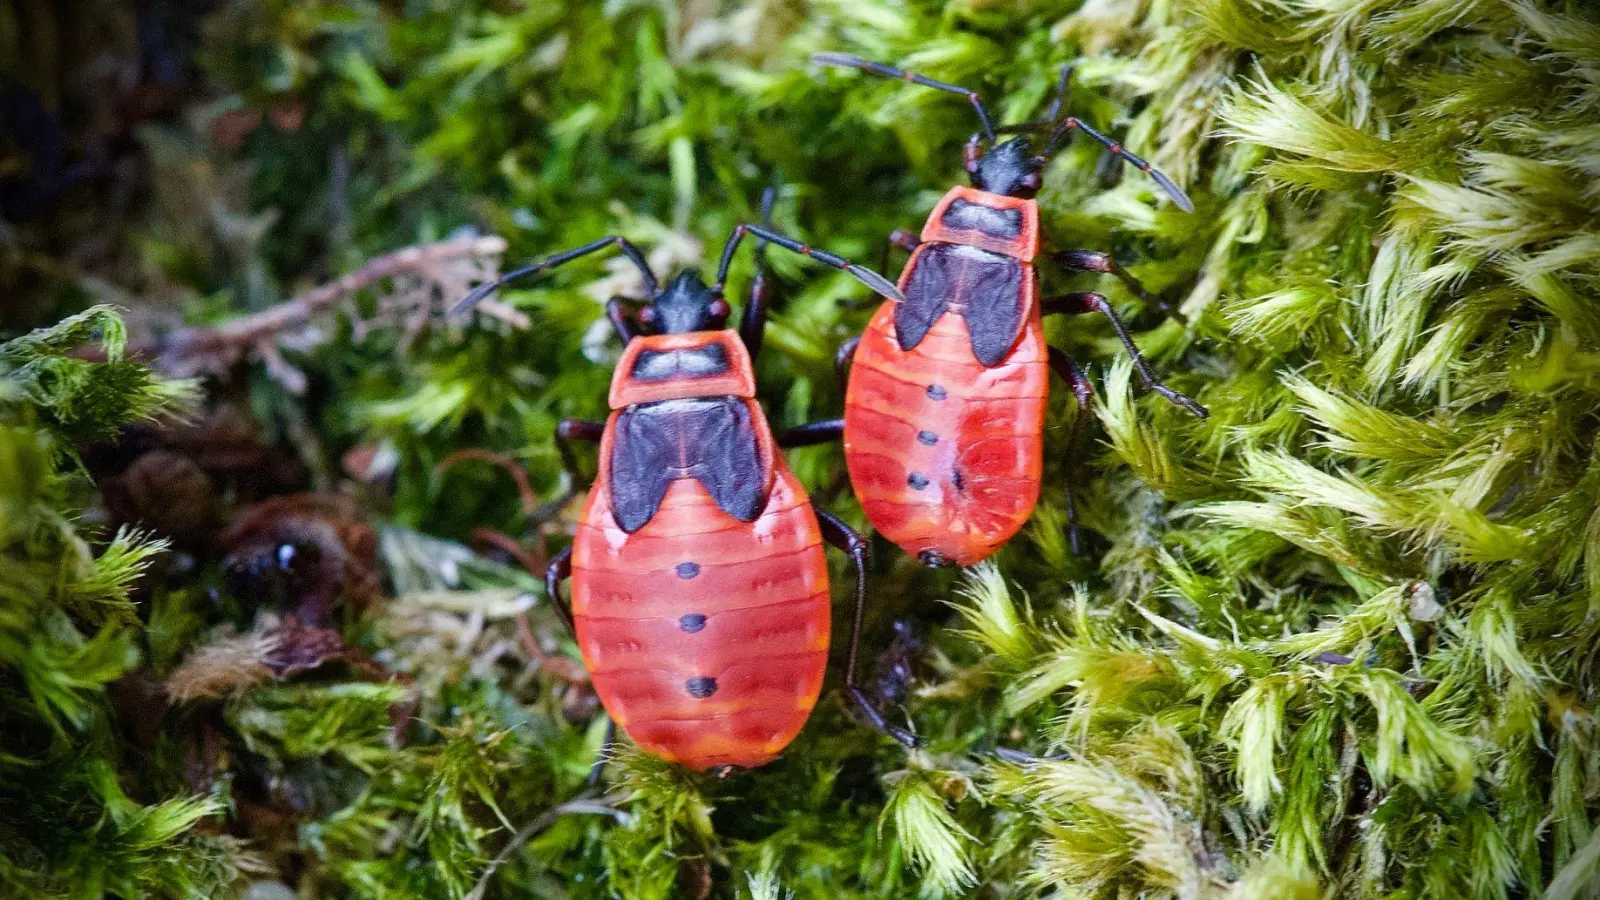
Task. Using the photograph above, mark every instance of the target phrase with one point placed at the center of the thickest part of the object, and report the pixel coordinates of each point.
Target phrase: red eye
(647, 315)
(719, 308)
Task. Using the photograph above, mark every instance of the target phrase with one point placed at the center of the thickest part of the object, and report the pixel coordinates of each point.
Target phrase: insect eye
(647, 315)
(1031, 181)
(719, 308)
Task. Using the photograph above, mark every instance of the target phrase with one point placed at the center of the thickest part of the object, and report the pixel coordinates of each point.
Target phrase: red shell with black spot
(706, 636)
(945, 451)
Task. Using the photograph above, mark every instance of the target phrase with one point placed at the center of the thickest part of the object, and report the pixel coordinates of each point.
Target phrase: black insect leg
(753, 323)
(560, 570)
(845, 538)
(1063, 366)
(842, 359)
(1089, 301)
(617, 311)
(568, 431)
(822, 432)
(1105, 264)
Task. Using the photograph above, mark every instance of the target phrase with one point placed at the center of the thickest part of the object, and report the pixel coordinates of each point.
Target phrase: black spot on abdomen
(691, 623)
(701, 687)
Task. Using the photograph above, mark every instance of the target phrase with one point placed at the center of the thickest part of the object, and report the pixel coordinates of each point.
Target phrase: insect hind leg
(1089, 301)
(845, 538)
(1063, 366)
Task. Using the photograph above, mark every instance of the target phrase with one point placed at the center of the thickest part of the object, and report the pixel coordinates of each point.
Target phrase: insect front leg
(1062, 365)
(617, 311)
(568, 431)
(1105, 264)
(1089, 301)
(845, 538)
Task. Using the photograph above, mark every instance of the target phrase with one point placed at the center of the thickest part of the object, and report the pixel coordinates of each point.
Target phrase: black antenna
(847, 61)
(871, 279)
(543, 265)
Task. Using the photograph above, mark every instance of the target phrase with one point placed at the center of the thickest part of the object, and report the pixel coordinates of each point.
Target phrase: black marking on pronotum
(701, 687)
(927, 437)
(691, 623)
(917, 480)
(693, 362)
(988, 287)
(1001, 223)
(958, 481)
(688, 569)
(937, 392)
(711, 440)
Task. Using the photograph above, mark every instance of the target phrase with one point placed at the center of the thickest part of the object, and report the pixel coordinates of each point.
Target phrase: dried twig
(427, 277)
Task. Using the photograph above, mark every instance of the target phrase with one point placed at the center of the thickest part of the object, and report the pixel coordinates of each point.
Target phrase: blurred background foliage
(1338, 640)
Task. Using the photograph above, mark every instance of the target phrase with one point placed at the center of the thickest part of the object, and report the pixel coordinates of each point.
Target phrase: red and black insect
(699, 585)
(945, 406)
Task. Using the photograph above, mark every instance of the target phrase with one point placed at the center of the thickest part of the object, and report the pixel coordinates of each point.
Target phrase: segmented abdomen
(945, 454)
(706, 637)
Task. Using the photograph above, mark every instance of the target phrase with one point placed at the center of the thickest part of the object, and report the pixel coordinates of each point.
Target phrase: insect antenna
(847, 61)
(1072, 123)
(871, 279)
(550, 262)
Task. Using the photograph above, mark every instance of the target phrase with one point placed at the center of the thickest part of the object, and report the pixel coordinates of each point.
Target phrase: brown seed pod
(166, 492)
(303, 553)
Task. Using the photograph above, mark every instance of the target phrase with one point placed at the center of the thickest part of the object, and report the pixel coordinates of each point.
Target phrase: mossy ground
(1338, 640)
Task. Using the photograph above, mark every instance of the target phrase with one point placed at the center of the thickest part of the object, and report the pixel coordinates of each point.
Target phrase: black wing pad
(988, 286)
(710, 440)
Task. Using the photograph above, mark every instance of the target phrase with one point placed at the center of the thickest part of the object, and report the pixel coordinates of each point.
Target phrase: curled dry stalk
(423, 280)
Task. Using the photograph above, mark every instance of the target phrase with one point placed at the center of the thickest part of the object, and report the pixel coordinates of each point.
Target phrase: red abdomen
(945, 453)
(706, 637)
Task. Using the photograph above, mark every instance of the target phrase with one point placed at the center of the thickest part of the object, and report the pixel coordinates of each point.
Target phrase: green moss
(1339, 639)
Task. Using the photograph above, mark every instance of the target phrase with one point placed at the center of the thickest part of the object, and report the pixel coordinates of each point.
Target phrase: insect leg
(871, 279)
(1089, 301)
(1105, 264)
(844, 357)
(847, 61)
(1063, 366)
(753, 324)
(617, 312)
(568, 431)
(845, 538)
(550, 262)
(812, 433)
(560, 570)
